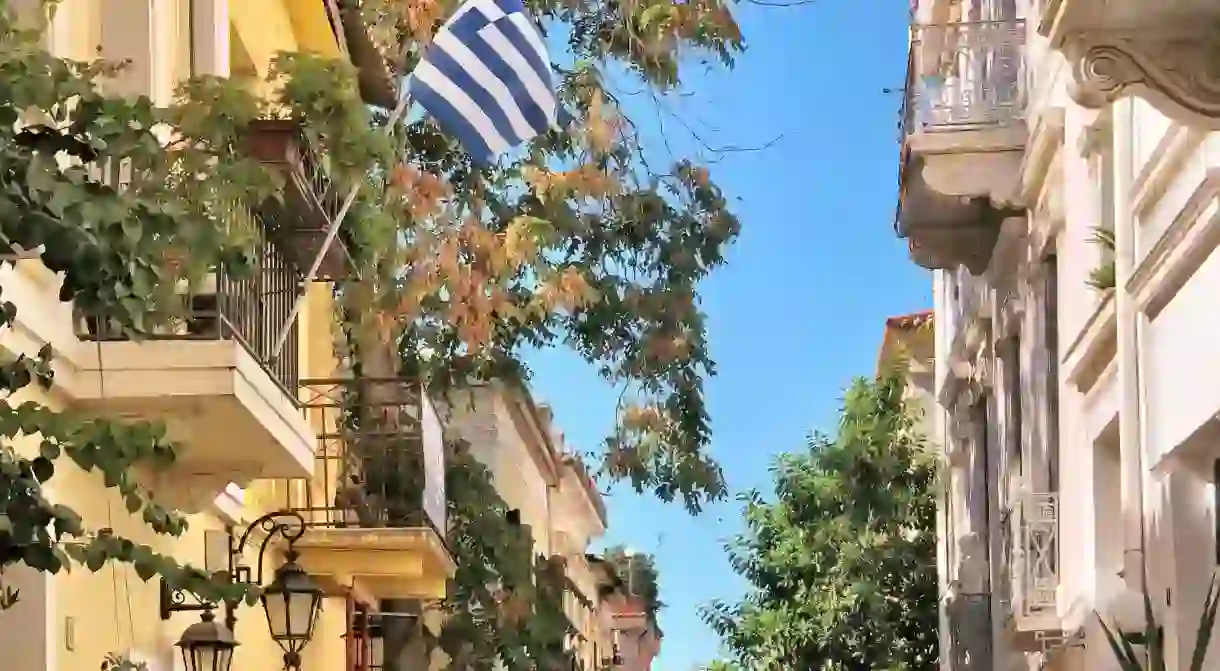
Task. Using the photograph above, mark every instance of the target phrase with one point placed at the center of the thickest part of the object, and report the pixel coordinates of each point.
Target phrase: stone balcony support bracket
(1177, 72)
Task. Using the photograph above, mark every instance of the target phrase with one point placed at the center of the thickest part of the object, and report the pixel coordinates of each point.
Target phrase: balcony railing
(248, 310)
(299, 221)
(965, 75)
(380, 458)
(1035, 563)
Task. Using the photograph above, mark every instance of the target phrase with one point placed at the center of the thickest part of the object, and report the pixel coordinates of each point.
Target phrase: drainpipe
(1127, 317)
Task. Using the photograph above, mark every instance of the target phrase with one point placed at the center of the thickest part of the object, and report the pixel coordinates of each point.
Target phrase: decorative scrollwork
(287, 524)
(1180, 75)
(178, 601)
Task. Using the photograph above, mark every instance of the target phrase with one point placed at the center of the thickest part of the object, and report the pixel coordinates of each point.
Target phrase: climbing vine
(132, 206)
(124, 212)
(506, 601)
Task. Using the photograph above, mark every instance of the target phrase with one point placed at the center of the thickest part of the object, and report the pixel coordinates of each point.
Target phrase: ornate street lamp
(207, 645)
(292, 601)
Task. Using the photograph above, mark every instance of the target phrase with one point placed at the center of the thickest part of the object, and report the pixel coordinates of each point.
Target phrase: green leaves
(639, 575)
(1207, 625)
(126, 214)
(838, 579)
(1151, 642)
(504, 602)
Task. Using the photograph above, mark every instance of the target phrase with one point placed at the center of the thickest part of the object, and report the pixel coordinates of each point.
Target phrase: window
(1011, 362)
(982, 472)
(185, 65)
(1050, 324)
(1101, 169)
(1216, 506)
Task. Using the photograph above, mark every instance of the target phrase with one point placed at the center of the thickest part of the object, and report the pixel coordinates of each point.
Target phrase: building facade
(636, 639)
(549, 492)
(263, 431)
(1059, 175)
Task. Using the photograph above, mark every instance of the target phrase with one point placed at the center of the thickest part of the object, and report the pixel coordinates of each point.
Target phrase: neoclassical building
(1060, 175)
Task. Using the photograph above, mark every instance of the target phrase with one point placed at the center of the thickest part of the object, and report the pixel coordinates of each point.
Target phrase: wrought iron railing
(317, 177)
(969, 618)
(380, 456)
(964, 75)
(1035, 562)
(247, 309)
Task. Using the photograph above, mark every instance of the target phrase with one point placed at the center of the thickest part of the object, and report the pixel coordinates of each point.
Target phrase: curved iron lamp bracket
(284, 523)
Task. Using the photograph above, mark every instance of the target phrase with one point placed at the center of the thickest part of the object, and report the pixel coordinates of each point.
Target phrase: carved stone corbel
(1179, 74)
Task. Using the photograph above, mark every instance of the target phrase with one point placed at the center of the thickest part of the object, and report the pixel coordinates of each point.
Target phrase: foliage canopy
(842, 564)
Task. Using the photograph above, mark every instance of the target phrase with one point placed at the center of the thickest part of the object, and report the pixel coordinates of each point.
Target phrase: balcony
(375, 509)
(210, 377)
(1152, 50)
(374, 50)
(299, 221)
(969, 618)
(1034, 544)
(963, 138)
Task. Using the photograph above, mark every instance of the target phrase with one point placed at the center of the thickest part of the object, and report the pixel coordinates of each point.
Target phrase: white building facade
(1060, 173)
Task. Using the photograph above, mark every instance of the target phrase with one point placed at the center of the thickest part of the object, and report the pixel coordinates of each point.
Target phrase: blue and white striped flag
(486, 78)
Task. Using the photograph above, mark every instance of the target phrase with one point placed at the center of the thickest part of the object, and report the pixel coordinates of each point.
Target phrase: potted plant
(1152, 639)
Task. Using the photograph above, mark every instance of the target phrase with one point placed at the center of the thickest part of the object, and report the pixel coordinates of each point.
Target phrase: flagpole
(332, 232)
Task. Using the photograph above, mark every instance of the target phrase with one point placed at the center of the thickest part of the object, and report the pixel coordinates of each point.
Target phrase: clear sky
(801, 306)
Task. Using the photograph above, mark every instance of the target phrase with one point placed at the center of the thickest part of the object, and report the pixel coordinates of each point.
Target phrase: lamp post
(291, 602)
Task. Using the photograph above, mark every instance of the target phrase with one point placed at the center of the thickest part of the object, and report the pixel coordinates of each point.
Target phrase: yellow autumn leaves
(600, 135)
(471, 274)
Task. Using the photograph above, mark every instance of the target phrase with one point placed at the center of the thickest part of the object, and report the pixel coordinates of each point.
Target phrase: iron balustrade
(1035, 561)
(963, 75)
(314, 170)
(380, 456)
(247, 309)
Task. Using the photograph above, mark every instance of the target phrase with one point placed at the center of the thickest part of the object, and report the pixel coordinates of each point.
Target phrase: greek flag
(486, 78)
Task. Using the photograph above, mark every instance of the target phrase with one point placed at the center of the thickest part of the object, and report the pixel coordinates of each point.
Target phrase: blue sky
(801, 306)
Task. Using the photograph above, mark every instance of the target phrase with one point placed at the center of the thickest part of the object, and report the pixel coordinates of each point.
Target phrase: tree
(842, 564)
(576, 240)
(579, 239)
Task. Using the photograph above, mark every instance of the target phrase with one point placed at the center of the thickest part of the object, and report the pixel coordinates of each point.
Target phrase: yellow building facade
(257, 432)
